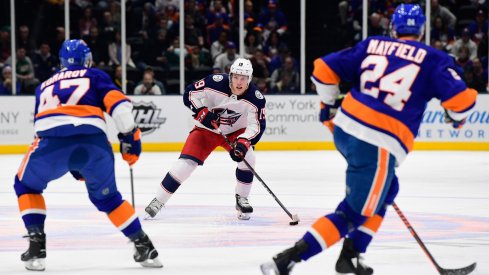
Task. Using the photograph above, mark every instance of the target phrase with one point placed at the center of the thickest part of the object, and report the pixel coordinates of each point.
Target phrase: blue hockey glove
(328, 112)
(206, 117)
(130, 145)
(457, 124)
(240, 149)
(77, 175)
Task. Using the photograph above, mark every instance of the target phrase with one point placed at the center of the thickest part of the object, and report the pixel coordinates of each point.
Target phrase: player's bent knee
(21, 188)
(107, 204)
(348, 213)
(182, 169)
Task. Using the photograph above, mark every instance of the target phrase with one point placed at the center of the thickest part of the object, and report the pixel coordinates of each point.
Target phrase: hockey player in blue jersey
(71, 137)
(237, 107)
(374, 129)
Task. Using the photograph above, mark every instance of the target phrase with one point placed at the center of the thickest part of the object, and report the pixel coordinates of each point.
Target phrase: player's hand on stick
(240, 149)
(457, 124)
(206, 117)
(130, 145)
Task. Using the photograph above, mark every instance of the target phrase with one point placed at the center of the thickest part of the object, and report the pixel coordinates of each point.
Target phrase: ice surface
(445, 196)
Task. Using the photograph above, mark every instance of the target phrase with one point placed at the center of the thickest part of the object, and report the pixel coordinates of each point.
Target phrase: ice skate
(153, 208)
(244, 208)
(351, 262)
(35, 256)
(145, 253)
(283, 262)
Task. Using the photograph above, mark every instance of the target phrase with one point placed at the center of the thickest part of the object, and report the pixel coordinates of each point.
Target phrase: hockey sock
(180, 171)
(244, 182)
(120, 213)
(328, 230)
(363, 235)
(31, 206)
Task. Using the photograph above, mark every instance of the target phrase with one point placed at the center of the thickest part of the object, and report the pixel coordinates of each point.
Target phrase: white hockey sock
(181, 170)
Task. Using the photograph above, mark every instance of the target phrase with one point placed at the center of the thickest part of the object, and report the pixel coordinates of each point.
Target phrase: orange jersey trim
(373, 223)
(74, 110)
(378, 185)
(31, 201)
(328, 231)
(377, 119)
(324, 73)
(461, 101)
(121, 214)
(27, 156)
(112, 98)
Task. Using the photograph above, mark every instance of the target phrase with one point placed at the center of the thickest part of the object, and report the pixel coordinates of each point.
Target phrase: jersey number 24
(397, 83)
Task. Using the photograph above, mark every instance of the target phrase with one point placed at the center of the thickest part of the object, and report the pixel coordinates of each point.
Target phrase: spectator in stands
(286, 78)
(273, 18)
(25, 71)
(479, 27)
(260, 66)
(108, 26)
(148, 18)
(215, 29)
(173, 53)
(251, 44)
(170, 28)
(442, 33)
(251, 19)
(152, 50)
(446, 15)
(263, 86)
(24, 40)
(148, 85)
(375, 25)
(193, 35)
(173, 14)
(198, 58)
(480, 74)
(59, 38)
(466, 42)
(117, 78)
(225, 59)
(6, 84)
(161, 5)
(192, 9)
(437, 44)
(463, 59)
(274, 41)
(98, 46)
(45, 64)
(216, 10)
(87, 21)
(472, 81)
(115, 52)
(219, 46)
(5, 44)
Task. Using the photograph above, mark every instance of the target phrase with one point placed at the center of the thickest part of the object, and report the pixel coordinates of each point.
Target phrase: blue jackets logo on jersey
(147, 116)
(226, 116)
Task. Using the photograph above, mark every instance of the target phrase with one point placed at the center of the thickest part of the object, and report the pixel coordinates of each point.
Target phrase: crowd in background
(459, 27)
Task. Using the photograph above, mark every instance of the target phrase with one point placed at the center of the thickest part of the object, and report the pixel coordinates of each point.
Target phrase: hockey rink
(445, 196)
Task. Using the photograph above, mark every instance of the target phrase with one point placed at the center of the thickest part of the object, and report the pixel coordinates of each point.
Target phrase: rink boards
(292, 124)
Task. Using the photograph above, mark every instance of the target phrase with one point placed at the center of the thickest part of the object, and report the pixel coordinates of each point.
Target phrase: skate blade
(147, 216)
(243, 216)
(269, 267)
(152, 263)
(35, 264)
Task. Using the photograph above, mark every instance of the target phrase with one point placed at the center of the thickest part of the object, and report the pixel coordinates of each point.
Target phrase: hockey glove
(77, 175)
(130, 145)
(206, 117)
(240, 149)
(328, 112)
(457, 124)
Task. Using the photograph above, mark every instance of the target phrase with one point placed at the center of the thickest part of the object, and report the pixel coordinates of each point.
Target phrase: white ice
(445, 196)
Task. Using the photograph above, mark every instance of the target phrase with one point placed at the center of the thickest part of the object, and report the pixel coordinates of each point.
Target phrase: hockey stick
(459, 271)
(132, 185)
(295, 217)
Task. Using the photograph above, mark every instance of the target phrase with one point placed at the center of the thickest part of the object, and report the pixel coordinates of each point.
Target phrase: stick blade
(459, 271)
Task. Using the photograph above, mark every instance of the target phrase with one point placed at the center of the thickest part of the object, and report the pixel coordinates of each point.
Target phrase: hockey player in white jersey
(234, 105)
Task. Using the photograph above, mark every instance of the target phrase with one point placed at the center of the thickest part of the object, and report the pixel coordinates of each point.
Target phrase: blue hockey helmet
(75, 52)
(408, 19)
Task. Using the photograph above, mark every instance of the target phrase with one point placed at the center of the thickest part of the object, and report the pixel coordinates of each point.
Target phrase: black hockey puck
(294, 222)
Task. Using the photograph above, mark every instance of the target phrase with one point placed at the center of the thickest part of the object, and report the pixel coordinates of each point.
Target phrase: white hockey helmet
(242, 66)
